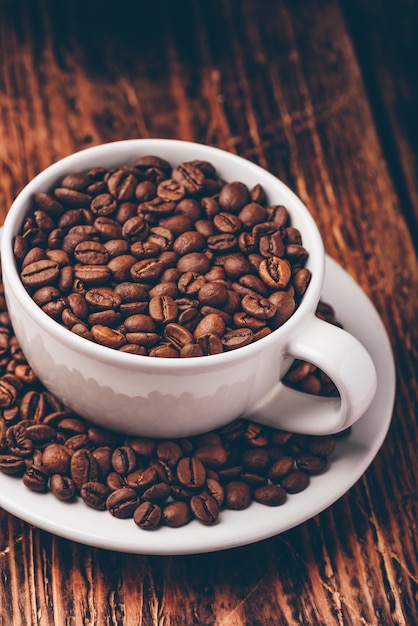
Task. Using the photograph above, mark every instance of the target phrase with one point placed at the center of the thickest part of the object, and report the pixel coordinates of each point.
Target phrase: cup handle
(345, 360)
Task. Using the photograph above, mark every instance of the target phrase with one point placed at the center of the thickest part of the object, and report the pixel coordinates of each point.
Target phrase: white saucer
(352, 457)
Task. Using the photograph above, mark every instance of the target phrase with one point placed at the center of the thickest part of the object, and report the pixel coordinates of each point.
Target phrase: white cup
(159, 397)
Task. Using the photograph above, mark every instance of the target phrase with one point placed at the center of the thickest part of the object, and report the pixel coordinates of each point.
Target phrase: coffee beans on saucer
(162, 261)
(152, 482)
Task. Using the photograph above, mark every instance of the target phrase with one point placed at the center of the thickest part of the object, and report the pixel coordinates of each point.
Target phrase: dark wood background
(323, 93)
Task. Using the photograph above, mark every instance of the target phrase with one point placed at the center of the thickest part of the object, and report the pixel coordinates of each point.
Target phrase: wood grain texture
(324, 94)
(388, 47)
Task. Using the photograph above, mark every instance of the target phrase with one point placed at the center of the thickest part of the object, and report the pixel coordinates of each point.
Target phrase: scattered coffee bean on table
(162, 261)
(153, 482)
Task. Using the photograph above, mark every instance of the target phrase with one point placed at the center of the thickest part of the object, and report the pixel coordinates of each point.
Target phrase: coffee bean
(143, 446)
(301, 280)
(255, 435)
(285, 307)
(147, 515)
(322, 446)
(71, 197)
(211, 324)
(280, 468)
(296, 252)
(189, 241)
(40, 433)
(48, 203)
(196, 262)
(36, 479)
(170, 189)
(103, 298)
(212, 455)
(107, 228)
(191, 473)
(210, 344)
(176, 514)
(76, 442)
(123, 460)
(191, 350)
(139, 323)
(237, 495)
(163, 309)
(145, 190)
(311, 464)
(227, 222)
(92, 275)
(55, 415)
(236, 265)
(256, 460)
(177, 335)
(56, 459)
(95, 494)
(108, 317)
(18, 442)
(169, 452)
(122, 503)
(158, 492)
(271, 245)
(252, 479)
(222, 243)
(103, 456)
(40, 273)
(292, 235)
(213, 294)
(234, 196)
(254, 212)
(295, 481)
(204, 508)
(12, 465)
(8, 393)
(190, 283)
(270, 495)
(25, 410)
(275, 272)
(108, 337)
(152, 161)
(190, 177)
(122, 184)
(33, 255)
(62, 487)
(258, 307)
(237, 338)
(80, 182)
(91, 253)
(83, 467)
(142, 478)
(215, 489)
(146, 270)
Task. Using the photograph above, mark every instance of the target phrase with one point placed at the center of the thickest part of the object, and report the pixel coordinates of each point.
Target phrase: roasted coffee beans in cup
(162, 260)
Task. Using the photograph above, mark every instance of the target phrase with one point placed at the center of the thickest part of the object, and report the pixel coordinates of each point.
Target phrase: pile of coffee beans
(162, 261)
(154, 482)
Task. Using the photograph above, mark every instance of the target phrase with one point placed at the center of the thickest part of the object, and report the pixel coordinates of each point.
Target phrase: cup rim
(114, 151)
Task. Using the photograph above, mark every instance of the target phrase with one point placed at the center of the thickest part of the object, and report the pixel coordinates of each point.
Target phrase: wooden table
(324, 94)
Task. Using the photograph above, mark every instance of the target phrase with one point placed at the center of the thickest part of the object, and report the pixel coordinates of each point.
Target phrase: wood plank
(286, 84)
(384, 36)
